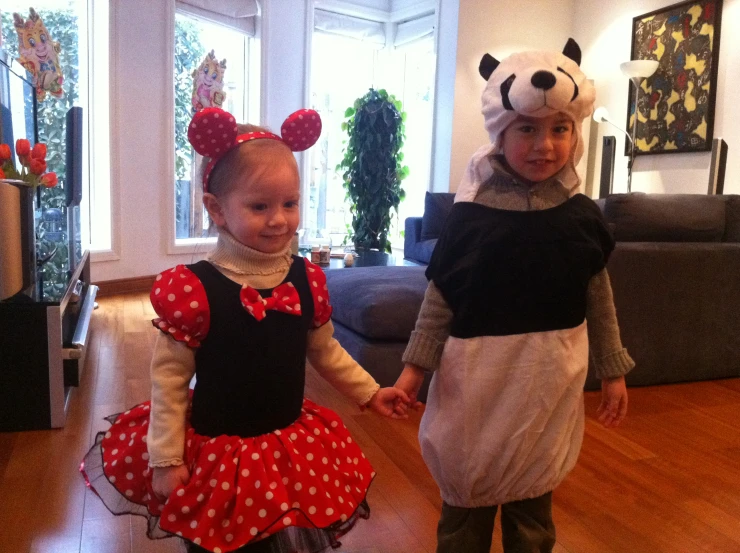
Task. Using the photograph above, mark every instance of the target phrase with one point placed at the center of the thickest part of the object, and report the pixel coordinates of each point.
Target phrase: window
(195, 37)
(81, 28)
(349, 56)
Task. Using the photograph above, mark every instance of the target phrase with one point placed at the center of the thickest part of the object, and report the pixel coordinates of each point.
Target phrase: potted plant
(373, 168)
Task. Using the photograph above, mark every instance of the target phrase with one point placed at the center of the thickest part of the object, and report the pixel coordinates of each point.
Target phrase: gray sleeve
(610, 359)
(432, 329)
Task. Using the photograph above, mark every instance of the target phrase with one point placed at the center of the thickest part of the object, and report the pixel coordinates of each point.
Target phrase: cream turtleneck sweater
(173, 363)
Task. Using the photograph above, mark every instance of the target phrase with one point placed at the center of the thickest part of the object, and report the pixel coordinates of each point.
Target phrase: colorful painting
(208, 83)
(676, 104)
(39, 54)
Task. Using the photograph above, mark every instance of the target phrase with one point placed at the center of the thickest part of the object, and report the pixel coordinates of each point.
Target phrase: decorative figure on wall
(675, 110)
(208, 83)
(39, 54)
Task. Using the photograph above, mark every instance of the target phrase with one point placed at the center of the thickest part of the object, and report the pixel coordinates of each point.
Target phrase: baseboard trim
(125, 285)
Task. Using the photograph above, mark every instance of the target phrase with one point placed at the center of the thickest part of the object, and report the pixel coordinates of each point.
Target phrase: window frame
(101, 200)
(175, 245)
(389, 18)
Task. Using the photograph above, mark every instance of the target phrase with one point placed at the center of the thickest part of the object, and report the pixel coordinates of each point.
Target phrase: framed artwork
(676, 104)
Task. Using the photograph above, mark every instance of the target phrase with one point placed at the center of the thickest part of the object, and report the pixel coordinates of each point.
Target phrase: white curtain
(237, 14)
(348, 26)
(413, 31)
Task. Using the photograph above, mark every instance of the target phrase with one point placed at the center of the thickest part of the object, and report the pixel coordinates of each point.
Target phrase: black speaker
(717, 167)
(73, 176)
(608, 151)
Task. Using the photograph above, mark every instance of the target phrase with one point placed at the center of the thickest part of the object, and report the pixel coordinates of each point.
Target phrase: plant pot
(17, 239)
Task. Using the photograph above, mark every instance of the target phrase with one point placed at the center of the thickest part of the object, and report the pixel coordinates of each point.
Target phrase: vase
(17, 239)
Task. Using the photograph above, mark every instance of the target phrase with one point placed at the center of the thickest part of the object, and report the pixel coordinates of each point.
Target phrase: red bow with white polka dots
(284, 298)
(213, 133)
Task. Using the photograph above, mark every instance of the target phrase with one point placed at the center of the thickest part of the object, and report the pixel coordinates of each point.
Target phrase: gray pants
(526, 525)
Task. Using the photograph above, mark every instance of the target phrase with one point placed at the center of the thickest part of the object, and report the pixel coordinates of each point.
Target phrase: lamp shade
(601, 115)
(639, 68)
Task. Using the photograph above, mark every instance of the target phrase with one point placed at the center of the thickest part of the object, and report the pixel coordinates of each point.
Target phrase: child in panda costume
(518, 298)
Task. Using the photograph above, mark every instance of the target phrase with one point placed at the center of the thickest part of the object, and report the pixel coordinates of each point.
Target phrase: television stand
(42, 353)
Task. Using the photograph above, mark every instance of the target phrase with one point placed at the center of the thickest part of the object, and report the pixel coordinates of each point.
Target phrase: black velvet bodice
(250, 374)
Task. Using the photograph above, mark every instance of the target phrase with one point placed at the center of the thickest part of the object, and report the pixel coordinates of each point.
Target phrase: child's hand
(385, 400)
(410, 382)
(613, 406)
(166, 479)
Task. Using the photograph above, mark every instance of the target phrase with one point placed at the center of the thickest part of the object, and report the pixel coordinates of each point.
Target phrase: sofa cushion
(423, 250)
(437, 205)
(732, 219)
(377, 302)
(639, 217)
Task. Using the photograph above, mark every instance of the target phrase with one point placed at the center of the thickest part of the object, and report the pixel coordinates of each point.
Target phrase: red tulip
(4, 152)
(2, 174)
(22, 147)
(49, 180)
(38, 166)
(39, 151)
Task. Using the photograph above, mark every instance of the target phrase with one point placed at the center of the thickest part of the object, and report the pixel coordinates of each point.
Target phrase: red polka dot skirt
(308, 482)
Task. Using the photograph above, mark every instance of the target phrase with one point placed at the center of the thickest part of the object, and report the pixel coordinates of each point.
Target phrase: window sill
(97, 256)
(191, 245)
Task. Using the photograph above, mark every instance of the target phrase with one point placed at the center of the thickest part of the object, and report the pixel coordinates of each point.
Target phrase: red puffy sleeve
(319, 292)
(180, 300)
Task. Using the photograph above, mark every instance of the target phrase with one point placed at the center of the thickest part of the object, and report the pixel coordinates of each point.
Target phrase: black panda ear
(488, 65)
(573, 51)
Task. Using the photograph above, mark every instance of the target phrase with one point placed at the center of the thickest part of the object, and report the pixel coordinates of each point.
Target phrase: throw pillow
(640, 217)
(437, 206)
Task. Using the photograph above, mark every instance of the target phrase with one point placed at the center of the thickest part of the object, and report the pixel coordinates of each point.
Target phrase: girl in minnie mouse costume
(246, 463)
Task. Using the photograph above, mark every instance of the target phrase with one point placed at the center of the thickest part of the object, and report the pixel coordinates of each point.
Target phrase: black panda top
(512, 272)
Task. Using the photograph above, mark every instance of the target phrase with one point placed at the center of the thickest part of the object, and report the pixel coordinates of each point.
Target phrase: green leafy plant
(189, 52)
(372, 166)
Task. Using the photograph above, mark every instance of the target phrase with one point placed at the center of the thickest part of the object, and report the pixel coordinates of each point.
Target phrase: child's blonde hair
(238, 160)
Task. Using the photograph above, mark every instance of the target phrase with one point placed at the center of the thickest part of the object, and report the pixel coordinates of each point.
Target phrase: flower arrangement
(33, 165)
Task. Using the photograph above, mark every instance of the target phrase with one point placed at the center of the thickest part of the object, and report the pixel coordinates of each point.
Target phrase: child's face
(536, 148)
(261, 210)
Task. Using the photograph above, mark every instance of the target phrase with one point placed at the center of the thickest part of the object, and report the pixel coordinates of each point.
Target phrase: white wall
(138, 149)
(140, 116)
(444, 94)
(604, 30)
(498, 27)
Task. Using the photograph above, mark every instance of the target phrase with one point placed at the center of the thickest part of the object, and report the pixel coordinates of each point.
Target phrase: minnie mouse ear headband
(213, 133)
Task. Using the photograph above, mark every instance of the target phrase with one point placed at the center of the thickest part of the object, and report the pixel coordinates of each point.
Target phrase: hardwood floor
(667, 481)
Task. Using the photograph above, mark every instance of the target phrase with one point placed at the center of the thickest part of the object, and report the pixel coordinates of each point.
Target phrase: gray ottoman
(375, 310)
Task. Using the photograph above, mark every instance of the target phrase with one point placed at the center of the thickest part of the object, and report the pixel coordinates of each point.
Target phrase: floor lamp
(636, 70)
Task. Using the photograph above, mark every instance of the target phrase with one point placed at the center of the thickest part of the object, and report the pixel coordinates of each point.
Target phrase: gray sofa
(675, 274)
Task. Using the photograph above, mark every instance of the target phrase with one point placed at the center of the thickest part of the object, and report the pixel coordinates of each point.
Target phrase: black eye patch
(505, 87)
(575, 86)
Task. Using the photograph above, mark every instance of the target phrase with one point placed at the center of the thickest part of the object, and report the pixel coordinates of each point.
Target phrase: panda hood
(536, 84)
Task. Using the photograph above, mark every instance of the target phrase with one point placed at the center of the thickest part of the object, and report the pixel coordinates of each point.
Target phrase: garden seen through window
(194, 39)
(342, 70)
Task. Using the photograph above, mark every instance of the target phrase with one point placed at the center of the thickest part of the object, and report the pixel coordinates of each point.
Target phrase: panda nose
(543, 79)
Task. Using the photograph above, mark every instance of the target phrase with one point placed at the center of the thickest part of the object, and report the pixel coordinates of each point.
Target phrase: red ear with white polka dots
(212, 132)
(301, 129)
